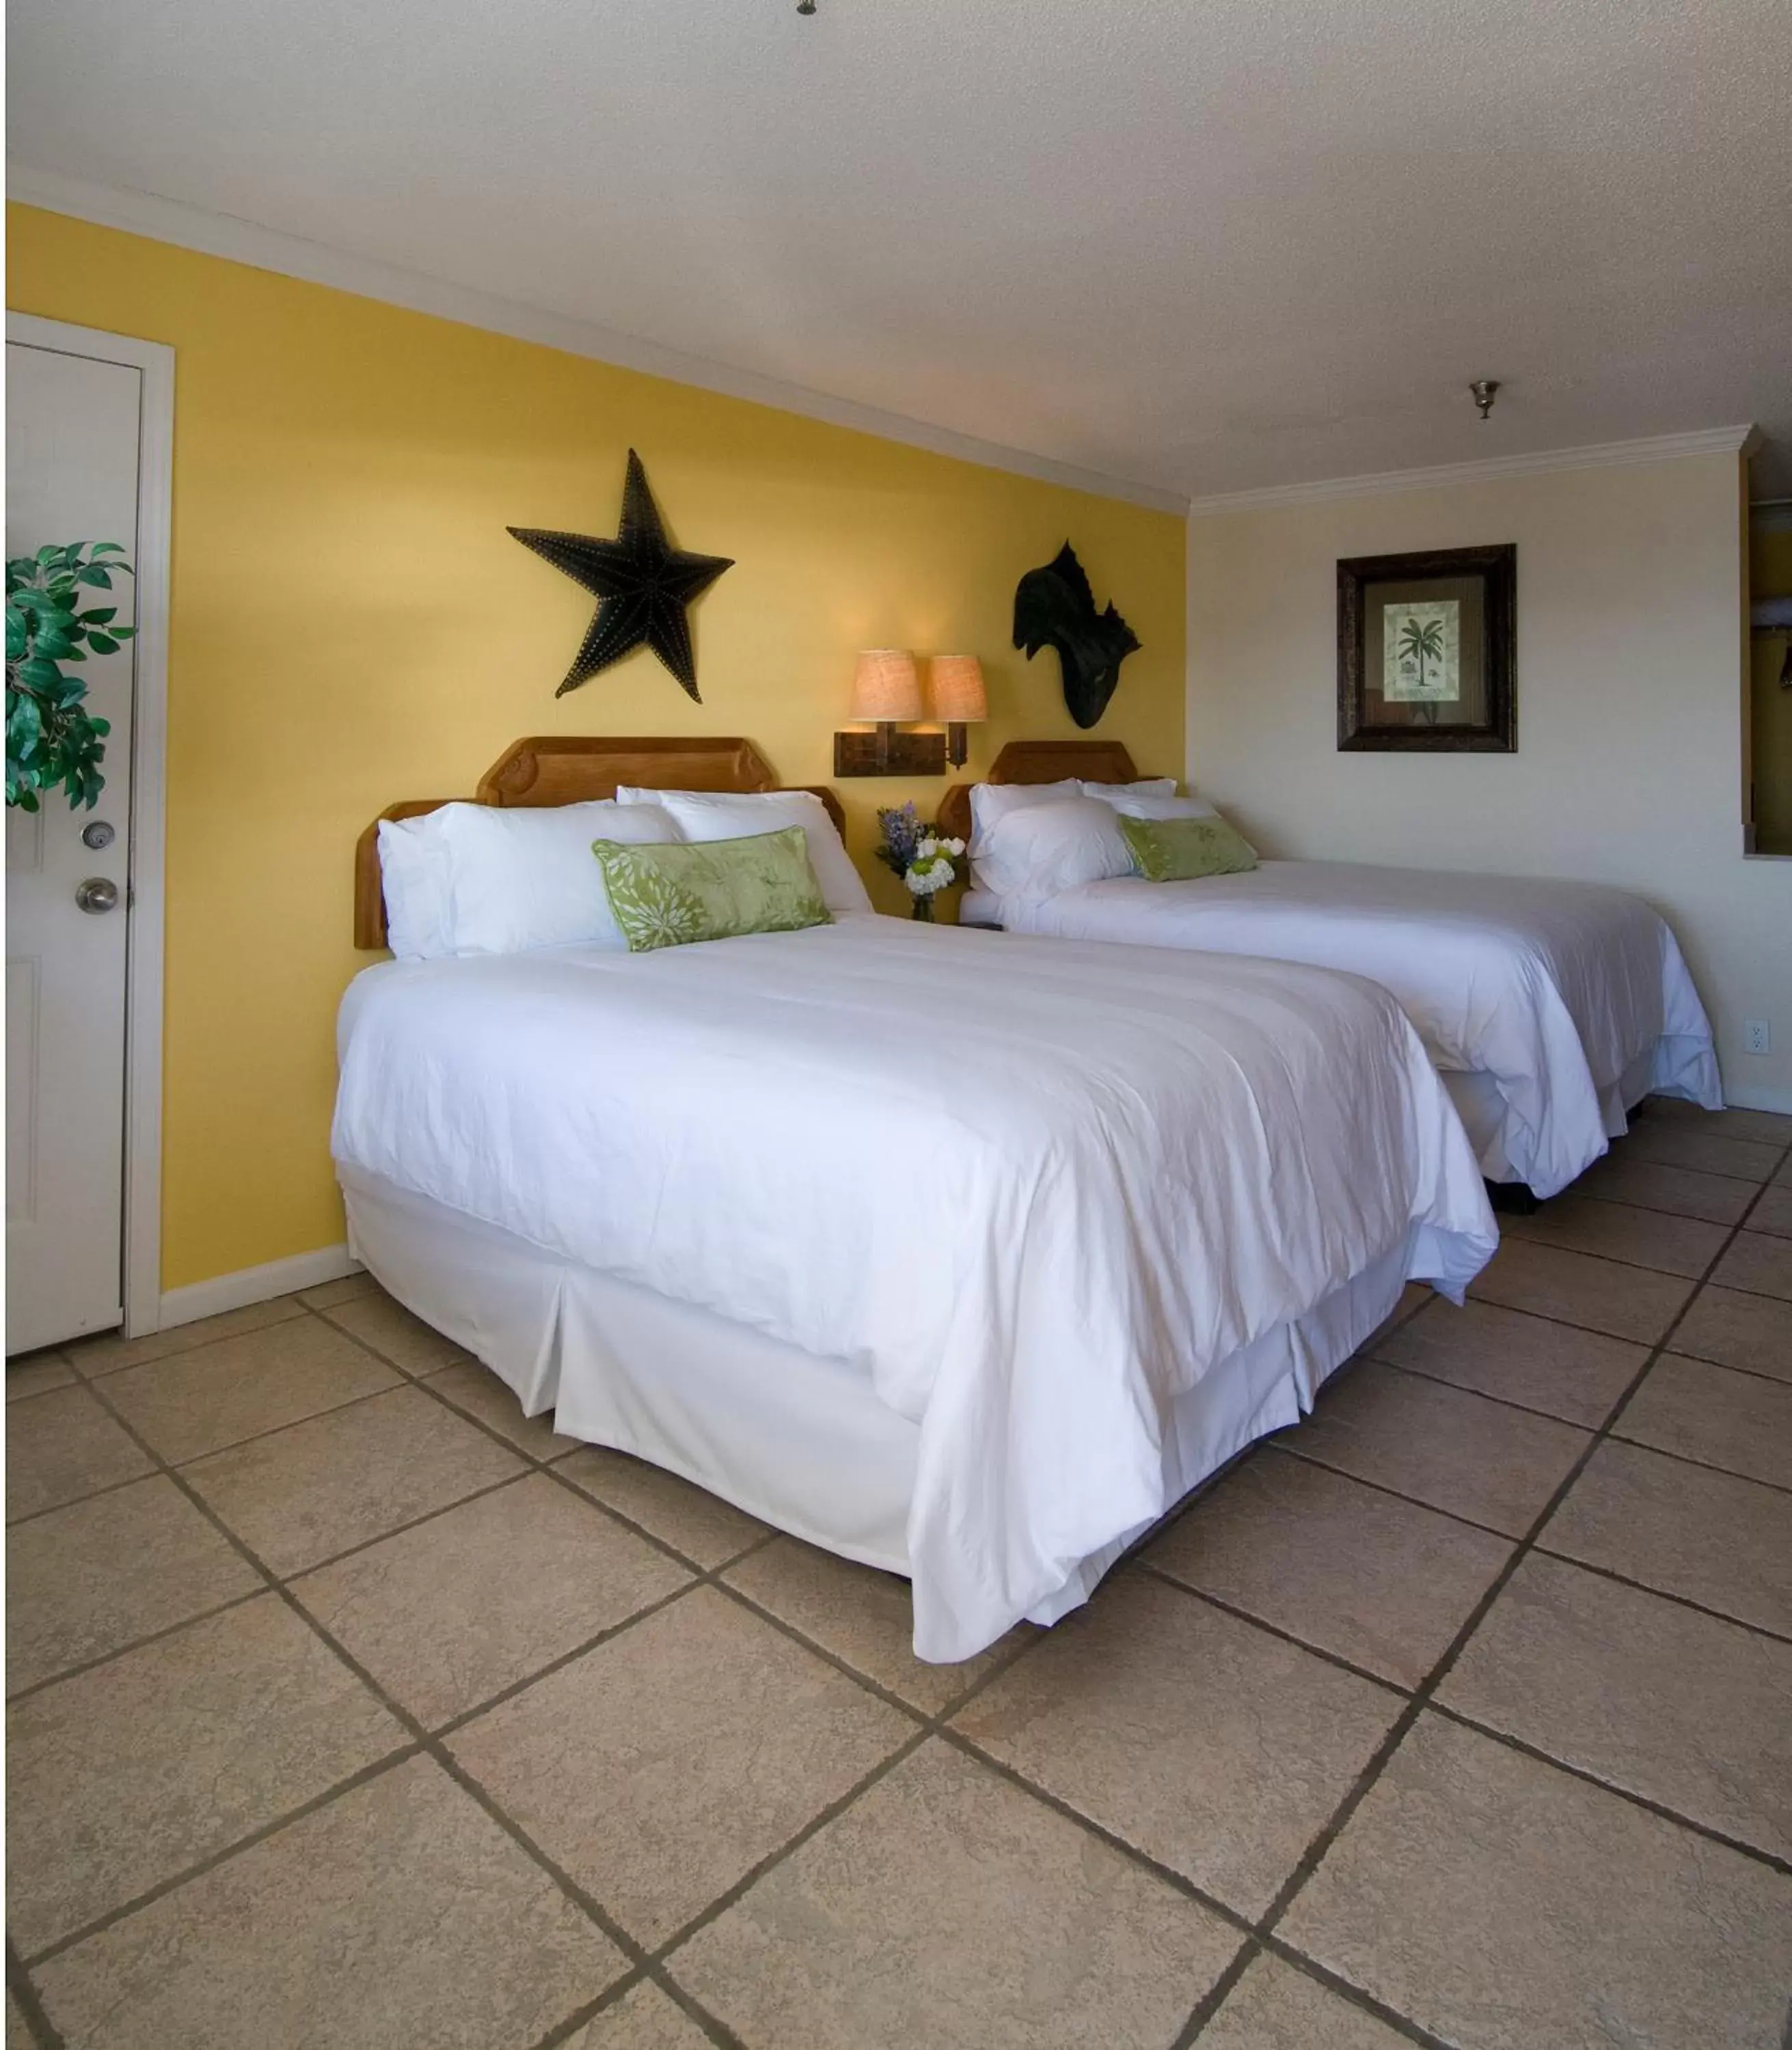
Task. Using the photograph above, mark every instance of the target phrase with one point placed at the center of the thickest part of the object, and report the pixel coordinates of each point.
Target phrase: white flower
(927, 874)
(952, 847)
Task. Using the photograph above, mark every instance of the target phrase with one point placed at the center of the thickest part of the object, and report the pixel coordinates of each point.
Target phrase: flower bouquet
(914, 849)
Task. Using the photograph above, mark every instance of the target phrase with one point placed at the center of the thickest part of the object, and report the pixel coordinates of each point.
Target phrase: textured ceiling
(1204, 245)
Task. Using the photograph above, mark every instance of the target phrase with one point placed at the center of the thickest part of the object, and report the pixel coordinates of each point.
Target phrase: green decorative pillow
(668, 895)
(1179, 850)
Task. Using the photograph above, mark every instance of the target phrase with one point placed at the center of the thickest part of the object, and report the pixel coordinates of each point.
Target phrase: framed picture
(1425, 651)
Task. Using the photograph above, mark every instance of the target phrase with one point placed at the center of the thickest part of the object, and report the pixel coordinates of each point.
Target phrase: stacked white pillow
(1148, 806)
(704, 815)
(991, 803)
(414, 879)
(1036, 851)
(1147, 786)
(482, 880)
(1033, 840)
(526, 878)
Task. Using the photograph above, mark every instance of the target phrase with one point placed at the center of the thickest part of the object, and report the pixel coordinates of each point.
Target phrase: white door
(73, 429)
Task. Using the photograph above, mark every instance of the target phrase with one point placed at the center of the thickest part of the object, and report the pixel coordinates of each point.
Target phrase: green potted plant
(52, 738)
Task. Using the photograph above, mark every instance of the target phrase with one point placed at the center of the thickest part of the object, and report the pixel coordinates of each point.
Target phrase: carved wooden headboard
(567, 769)
(1040, 761)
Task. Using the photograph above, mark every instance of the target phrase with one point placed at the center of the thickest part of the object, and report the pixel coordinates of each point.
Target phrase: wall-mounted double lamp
(887, 690)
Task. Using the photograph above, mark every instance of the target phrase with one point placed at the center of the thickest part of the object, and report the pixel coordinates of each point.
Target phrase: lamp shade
(885, 686)
(957, 689)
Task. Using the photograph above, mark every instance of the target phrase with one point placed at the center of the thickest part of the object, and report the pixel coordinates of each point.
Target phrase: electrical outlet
(1755, 1037)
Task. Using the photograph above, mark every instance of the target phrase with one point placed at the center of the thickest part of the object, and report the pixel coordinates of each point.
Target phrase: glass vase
(923, 908)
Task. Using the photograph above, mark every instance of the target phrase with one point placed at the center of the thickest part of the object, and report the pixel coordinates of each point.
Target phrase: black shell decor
(1054, 607)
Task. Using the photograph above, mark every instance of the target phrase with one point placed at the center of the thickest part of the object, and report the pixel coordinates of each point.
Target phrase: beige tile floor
(349, 1708)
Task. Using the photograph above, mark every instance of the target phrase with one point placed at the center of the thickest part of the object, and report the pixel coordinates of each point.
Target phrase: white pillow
(1042, 849)
(992, 801)
(414, 881)
(702, 815)
(1163, 808)
(1148, 786)
(526, 877)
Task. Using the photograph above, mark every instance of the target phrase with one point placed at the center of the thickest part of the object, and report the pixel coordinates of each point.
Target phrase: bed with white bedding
(1550, 1007)
(966, 1255)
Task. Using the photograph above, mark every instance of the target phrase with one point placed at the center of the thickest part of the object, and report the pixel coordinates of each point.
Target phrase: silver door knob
(97, 893)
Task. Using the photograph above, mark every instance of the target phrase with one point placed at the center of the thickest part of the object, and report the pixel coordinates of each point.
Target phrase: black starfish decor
(642, 585)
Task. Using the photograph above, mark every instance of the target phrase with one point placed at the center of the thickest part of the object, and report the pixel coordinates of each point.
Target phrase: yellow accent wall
(351, 624)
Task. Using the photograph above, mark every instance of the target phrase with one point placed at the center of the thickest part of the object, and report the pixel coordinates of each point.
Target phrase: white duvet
(1033, 1190)
(1565, 995)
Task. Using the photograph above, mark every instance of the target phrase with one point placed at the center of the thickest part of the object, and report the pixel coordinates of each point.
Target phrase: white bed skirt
(798, 1441)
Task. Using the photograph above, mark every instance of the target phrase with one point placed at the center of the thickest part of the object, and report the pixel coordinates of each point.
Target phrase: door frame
(146, 893)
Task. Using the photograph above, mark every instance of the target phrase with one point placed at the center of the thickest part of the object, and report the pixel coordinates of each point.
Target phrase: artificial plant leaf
(102, 643)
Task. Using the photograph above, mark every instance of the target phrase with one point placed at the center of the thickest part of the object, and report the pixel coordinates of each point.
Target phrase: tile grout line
(74, 1672)
(1662, 1594)
(1555, 1416)
(362, 1775)
(1258, 1939)
(86, 1380)
(430, 1744)
(424, 1743)
(1463, 1388)
(42, 2031)
(1552, 1416)
(1421, 1697)
(1512, 1742)
(1754, 1852)
(1287, 1636)
(1704, 1466)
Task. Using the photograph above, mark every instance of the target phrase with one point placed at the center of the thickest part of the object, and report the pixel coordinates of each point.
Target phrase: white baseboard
(255, 1284)
(1759, 1099)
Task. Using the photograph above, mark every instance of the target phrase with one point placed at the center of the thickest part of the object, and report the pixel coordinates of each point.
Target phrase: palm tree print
(1423, 642)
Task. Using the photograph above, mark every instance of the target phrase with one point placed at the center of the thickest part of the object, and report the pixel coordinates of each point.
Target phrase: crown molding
(1600, 455)
(239, 241)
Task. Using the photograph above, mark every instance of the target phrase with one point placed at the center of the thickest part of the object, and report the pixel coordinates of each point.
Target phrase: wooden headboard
(568, 769)
(1040, 761)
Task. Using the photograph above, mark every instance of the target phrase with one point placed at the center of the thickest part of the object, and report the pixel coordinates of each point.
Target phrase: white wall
(1629, 657)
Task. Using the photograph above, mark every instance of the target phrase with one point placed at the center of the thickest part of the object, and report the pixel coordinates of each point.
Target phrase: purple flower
(904, 830)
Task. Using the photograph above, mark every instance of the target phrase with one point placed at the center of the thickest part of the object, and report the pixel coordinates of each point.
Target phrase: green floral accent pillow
(668, 896)
(1179, 850)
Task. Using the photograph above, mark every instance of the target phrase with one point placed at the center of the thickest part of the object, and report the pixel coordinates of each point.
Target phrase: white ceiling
(1201, 245)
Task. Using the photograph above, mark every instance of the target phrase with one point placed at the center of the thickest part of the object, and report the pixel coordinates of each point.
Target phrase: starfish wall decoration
(641, 583)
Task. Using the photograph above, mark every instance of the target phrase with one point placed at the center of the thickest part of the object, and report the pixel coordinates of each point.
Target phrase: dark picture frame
(1426, 652)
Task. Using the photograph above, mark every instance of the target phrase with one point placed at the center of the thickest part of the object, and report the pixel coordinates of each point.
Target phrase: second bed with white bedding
(1553, 1007)
(1033, 1193)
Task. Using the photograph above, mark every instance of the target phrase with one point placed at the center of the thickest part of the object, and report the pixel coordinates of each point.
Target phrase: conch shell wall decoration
(1054, 607)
